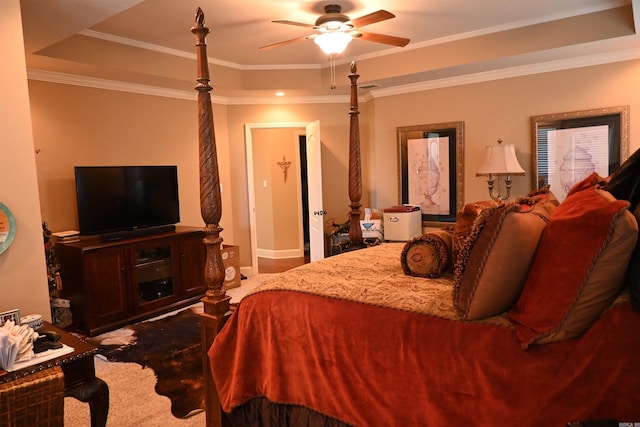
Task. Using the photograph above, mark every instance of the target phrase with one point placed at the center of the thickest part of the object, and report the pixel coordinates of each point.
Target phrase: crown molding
(544, 67)
(326, 99)
(96, 83)
(505, 73)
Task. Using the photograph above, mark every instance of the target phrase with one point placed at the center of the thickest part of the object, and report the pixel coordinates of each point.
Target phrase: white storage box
(402, 223)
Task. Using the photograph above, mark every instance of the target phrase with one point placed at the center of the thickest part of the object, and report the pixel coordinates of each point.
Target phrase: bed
(537, 330)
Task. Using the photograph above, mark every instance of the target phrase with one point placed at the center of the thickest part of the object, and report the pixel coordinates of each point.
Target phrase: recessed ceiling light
(279, 93)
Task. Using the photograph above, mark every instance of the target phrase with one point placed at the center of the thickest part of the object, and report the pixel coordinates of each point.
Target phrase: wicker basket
(33, 400)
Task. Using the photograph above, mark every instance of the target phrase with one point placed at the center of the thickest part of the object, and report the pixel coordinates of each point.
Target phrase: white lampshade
(333, 42)
(500, 160)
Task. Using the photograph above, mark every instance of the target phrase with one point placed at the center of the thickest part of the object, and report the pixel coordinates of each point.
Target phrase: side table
(80, 379)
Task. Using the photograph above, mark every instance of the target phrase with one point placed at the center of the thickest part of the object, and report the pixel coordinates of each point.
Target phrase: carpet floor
(133, 401)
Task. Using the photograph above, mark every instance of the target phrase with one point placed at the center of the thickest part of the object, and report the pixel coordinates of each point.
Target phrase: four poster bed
(522, 319)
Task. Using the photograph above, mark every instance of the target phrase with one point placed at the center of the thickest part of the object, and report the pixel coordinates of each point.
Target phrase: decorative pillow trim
(541, 337)
(467, 246)
(544, 196)
(465, 218)
(543, 190)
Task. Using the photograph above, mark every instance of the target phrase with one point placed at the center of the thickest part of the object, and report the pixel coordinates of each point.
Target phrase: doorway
(302, 144)
(260, 182)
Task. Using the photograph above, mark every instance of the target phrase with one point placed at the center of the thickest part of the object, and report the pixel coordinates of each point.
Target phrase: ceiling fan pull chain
(333, 71)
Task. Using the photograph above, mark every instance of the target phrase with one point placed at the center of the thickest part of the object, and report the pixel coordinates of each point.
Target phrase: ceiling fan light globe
(333, 43)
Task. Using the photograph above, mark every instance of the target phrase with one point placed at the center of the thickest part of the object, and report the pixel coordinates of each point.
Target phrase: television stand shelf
(138, 232)
(111, 284)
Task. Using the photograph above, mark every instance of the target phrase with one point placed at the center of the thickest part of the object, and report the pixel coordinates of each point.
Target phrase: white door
(314, 182)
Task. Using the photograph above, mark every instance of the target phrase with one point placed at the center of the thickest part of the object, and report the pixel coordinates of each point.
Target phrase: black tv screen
(124, 198)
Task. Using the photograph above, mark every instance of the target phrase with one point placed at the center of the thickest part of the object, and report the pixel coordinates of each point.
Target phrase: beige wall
(334, 135)
(497, 109)
(23, 277)
(84, 126)
(127, 128)
(277, 202)
(78, 126)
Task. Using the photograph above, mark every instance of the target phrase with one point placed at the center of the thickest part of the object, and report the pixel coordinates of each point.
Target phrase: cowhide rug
(169, 346)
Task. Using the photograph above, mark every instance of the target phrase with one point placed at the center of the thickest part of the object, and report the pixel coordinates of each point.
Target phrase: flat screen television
(116, 200)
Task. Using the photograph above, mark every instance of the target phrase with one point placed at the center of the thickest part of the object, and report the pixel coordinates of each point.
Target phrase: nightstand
(80, 379)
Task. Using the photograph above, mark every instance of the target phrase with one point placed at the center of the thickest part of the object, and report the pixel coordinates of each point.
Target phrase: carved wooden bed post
(355, 176)
(216, 302)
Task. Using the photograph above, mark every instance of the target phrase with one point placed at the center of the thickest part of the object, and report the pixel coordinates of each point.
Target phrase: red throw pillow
(578, 270)
(592, 181)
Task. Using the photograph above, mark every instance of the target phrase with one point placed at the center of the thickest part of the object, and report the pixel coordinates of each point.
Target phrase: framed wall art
(431, 170)
(13, 315)
(568, 147)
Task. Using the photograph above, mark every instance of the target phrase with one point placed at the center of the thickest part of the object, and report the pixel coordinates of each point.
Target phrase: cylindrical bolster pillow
(428, 255)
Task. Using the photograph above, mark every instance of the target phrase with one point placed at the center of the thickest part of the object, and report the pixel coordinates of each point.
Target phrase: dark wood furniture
(215, 301)
(111, 284)
(80, 379)
(355, 174)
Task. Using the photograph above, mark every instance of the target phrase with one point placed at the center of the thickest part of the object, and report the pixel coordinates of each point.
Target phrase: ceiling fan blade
(284, 43)
(372, 18)
(298, 24)
(381, 38)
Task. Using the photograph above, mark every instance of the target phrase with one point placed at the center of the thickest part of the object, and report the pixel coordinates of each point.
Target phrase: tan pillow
(494, 262)
(579, 268)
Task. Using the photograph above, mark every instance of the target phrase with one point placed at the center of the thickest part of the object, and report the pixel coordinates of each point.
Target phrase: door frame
(248, 138)
(298, 134)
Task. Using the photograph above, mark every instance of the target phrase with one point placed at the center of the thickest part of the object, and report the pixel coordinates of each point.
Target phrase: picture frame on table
(10, 315)
(431, 170)
(568, 147)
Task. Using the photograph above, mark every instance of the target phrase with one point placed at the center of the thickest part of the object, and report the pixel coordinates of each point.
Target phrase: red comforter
(370, 365)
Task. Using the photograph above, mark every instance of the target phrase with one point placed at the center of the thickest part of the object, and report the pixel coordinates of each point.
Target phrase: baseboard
(281, 254)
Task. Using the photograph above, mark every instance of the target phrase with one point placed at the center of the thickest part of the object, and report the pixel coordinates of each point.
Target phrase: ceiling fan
(335, 30)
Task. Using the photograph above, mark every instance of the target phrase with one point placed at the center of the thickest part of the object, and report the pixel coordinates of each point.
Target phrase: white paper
(42, 357)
